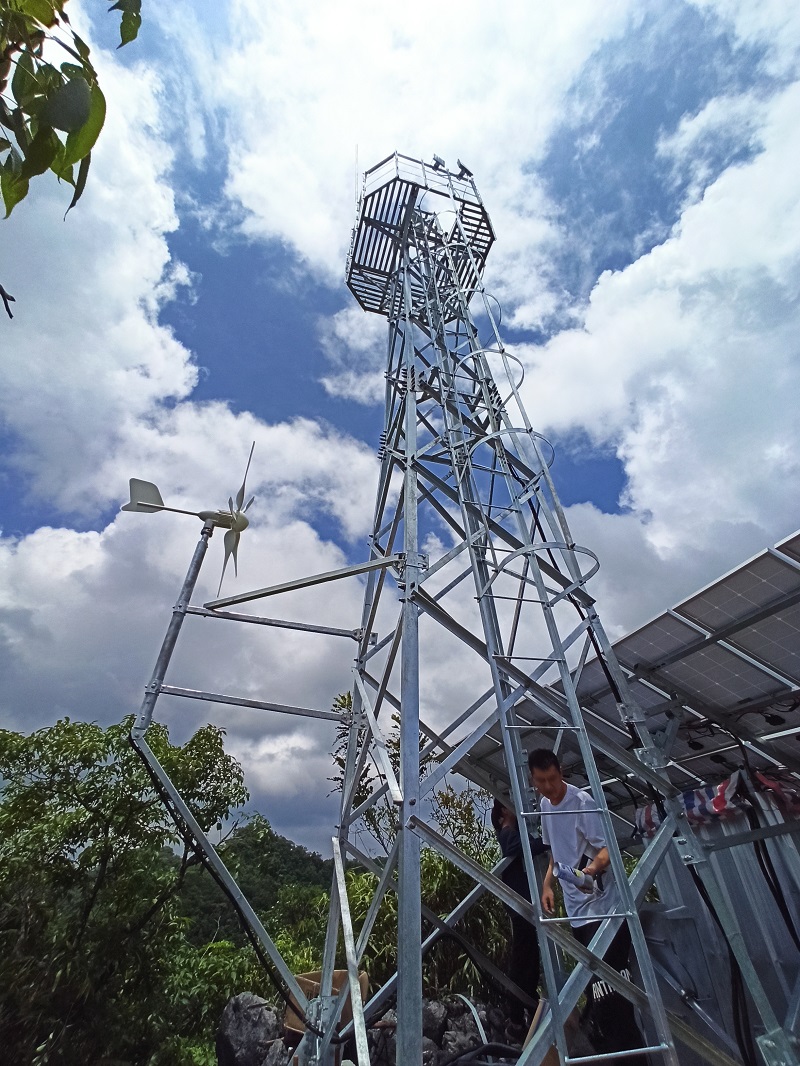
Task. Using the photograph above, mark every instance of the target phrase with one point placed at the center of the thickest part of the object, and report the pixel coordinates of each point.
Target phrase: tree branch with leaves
(51, 112)
(51, 115)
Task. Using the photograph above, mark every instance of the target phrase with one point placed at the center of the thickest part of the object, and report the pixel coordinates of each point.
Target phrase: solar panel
(791, 547)
(655, 641)
(775, 641)
(725, 661)
(755, 585)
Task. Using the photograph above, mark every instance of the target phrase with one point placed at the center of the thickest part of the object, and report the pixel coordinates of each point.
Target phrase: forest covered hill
(268, 868)
(118, 946)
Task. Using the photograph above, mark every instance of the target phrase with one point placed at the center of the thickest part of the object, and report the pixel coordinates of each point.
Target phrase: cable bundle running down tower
(470, 470)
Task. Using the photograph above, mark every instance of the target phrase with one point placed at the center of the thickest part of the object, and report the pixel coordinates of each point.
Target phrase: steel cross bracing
(458, 450)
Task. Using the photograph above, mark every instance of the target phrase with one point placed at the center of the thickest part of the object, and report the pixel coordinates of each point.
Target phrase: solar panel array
(717, 677)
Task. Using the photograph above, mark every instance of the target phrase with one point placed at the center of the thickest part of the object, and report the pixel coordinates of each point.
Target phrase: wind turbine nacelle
(225, 519)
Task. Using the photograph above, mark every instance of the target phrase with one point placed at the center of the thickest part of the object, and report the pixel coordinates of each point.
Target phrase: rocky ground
(251, 1033)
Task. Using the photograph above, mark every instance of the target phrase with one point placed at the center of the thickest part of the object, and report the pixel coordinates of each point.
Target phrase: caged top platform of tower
(392, 190)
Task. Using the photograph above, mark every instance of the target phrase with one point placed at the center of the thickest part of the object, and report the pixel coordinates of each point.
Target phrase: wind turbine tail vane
(144, 497)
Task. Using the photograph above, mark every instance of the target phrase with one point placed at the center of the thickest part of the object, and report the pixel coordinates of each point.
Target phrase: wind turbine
(146, 498)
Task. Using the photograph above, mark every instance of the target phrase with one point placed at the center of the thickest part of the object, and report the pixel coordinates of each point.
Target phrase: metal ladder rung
(610, 1056)
(529, 658)
(594, 918)
(538, 728)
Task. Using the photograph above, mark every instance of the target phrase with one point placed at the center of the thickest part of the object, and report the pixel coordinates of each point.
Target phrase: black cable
(771, 877)
(506, 1051)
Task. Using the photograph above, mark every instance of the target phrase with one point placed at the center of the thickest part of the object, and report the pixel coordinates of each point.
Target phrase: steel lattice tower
(460, 446)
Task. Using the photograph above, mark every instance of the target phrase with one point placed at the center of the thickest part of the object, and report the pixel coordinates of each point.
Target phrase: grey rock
(382, 1042)
(459, 1041)
(578, 1043)
(434, 1020)
(495, 1024)
(382, 1047)
(455, 1008)
(246, 1031)
(430, 1052)
(465, 1024)
(278, 1055)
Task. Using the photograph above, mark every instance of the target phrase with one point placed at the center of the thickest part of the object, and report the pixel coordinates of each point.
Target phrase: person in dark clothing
(524, 955)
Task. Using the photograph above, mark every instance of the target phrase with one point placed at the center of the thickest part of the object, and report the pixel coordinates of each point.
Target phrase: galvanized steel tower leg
(409, 955)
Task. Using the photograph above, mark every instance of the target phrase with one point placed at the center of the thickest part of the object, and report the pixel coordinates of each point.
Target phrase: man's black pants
(612, 1024)
(523, 966)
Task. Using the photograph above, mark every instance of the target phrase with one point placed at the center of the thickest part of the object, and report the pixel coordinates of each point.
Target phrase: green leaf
(81, 142)
(82, 46)
(4, 144)
(42, 10)
(24, 84)
(6, 118)
(131, 19)
(71, 70)
(40, 154)
(68, 109)
(80, 184)
(15, 121)
(13, 185)
(57, 166)
(129, 27)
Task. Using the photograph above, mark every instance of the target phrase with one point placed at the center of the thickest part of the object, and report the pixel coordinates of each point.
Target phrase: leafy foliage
(96, 966)
(265, 865)
(460, 814)
(299, 919)
(46, 100)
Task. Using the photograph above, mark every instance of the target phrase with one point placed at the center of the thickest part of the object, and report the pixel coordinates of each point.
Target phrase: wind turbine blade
(231, 548)
(240, 493)
(144, 497)
(249, 502)
(235, 535)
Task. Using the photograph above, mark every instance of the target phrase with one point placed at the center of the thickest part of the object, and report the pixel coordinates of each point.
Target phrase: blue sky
(639, 164)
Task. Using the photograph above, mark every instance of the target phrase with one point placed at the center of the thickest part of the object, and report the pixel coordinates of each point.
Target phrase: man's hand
(548, 900)
(588, 889)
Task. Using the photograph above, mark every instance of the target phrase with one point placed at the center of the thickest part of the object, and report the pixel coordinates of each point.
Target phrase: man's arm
(599, 863)
(548, 898)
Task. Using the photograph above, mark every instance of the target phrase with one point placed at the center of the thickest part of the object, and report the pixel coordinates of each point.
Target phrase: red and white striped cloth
(702, 805)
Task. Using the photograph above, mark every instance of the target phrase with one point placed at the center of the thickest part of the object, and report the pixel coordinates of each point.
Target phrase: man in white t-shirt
(572, 828)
